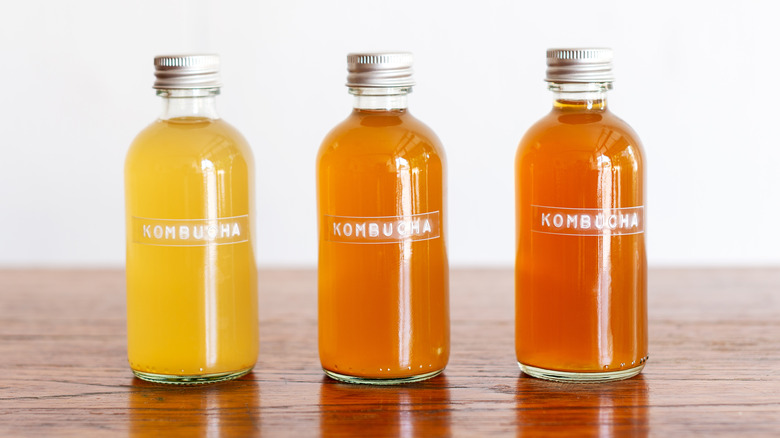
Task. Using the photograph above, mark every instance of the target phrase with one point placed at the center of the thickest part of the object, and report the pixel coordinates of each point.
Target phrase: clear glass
(383, 270)
(191, 275)
(581, 272)
(195, 103)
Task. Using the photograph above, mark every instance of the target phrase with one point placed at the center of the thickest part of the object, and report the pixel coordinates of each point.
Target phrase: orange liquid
(580, 299)
(383, 307)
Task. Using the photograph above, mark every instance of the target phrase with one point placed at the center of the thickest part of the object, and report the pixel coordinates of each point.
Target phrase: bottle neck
(195, 103)
(590, 96)
(380, 99)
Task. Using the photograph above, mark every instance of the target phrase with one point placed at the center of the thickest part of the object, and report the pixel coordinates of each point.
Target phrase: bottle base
(391, 381)
(190, 380)
(574, 377)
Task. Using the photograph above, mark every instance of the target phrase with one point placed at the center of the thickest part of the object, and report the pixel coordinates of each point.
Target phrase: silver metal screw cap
(186, 72)
(579, 65)
(380, 69)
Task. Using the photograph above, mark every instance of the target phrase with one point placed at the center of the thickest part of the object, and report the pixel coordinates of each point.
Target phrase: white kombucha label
(190, 232)
(588, 221)
(382, 229)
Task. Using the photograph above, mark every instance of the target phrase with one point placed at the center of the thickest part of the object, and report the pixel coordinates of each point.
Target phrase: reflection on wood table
(714, 367)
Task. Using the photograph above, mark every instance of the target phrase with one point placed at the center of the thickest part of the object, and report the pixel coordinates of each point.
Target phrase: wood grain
(714, 367)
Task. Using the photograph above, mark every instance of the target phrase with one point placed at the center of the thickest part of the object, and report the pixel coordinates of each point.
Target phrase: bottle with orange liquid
(191, 276)
(580, 275)
(383, 270)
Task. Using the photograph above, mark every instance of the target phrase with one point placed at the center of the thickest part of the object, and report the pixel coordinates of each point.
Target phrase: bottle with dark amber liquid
(581, 274)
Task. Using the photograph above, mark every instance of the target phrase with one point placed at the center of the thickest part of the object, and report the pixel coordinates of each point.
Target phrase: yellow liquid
(191, 310)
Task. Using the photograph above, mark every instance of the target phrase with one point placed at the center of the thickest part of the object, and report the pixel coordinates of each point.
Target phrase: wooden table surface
(714, 367)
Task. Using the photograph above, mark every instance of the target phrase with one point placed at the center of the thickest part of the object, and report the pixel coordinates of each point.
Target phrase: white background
(697, 80)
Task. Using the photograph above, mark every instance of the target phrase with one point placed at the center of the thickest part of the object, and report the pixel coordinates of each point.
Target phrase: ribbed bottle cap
(579, 65)
(380, 69)
(186, 72)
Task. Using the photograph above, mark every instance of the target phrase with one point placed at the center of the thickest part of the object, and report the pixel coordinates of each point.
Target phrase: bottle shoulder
(185, 140)
(577, 133)
(384, 133)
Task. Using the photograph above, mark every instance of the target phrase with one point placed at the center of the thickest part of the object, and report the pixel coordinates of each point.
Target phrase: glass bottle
(383, 270)
(581, 272)
(191, 275)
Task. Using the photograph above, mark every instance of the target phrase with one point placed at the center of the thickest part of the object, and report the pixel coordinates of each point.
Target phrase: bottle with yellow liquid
(581, 272)
(191, 275)
(383, 271)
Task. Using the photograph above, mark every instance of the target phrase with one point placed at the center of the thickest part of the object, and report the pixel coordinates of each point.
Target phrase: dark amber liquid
(383, 307)
(580, 299)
